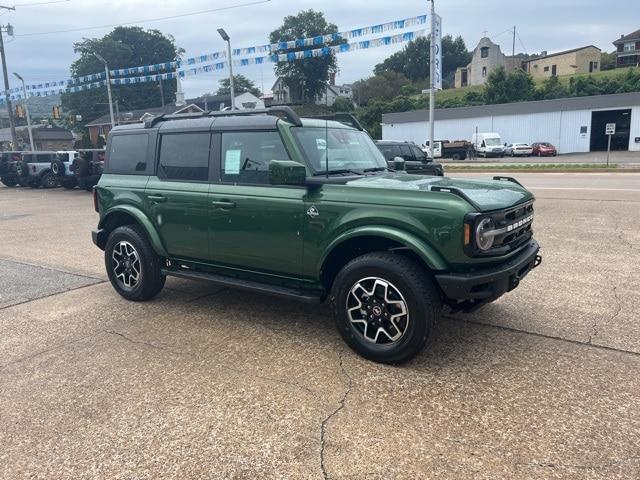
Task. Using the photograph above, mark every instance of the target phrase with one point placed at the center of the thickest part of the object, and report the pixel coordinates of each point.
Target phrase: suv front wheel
(385, 306)
(133, 267)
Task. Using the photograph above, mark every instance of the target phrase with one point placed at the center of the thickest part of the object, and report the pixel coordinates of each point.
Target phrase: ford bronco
(307, 209)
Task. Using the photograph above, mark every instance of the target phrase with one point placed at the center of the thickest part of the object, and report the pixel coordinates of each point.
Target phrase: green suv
(307, 209)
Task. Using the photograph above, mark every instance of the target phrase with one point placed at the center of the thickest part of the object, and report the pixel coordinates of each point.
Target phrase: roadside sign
(437, 39)
(610, 129)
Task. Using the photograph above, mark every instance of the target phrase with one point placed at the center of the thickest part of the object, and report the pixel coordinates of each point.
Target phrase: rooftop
(564, 52)
(519, 108)
(628, 38)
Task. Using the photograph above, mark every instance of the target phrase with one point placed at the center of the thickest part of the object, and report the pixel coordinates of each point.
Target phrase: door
(554, 70)
(177, 197)
(255, 226)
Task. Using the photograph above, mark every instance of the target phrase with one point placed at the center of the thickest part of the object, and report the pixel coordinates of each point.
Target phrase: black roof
(628, 38)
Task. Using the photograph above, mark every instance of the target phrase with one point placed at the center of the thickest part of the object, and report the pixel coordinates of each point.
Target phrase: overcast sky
(551, 25)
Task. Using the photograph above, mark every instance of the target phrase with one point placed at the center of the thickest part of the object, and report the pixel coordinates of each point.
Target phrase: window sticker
(232, 162)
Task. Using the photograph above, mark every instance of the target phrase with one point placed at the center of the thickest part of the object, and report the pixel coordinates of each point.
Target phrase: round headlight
(484, 238)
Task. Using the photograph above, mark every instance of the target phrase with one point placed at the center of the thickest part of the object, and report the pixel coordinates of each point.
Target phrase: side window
(184, 156)
(387, 151)
(405, 152)
(128, 154)
(246, 156)
(484, 52)
(419, 154)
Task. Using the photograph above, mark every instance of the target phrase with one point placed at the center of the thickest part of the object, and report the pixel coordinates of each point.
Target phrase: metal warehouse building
(572, 124)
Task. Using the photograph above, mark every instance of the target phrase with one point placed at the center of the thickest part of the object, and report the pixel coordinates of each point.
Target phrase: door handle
(223, 204)
(157, 198)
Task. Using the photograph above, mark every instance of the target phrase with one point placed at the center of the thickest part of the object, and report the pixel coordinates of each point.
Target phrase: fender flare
(143, 221)
(426, 252)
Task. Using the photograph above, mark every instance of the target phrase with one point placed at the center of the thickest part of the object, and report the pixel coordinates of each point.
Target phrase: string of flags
(219, 61)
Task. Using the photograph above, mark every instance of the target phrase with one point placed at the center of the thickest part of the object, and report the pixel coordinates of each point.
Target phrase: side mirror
(286, 172)
(398, 163)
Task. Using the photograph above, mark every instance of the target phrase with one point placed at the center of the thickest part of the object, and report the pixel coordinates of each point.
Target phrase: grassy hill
(459, 93)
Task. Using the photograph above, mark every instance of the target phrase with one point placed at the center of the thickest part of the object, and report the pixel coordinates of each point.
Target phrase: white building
(574, 124)
(282, 94)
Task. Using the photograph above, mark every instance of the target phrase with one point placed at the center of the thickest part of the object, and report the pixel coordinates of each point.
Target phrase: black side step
(244, 285)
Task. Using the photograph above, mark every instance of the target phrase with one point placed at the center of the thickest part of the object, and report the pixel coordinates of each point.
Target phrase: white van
(488, 145)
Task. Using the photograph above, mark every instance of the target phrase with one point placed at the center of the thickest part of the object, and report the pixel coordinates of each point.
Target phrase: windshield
(347, 149)
(492, 142)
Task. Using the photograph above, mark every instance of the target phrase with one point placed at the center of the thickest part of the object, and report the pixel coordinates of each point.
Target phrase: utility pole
(9, 29)
(432, 83)
(108, 80)
(227, 39)
(513, 50)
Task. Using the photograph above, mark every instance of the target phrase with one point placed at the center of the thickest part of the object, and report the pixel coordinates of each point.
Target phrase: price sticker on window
(232, 162)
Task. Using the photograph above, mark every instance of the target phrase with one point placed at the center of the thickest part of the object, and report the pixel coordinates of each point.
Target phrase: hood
(486, 194)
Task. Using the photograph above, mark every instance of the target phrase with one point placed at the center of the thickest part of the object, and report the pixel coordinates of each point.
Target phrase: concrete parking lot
(206, 382)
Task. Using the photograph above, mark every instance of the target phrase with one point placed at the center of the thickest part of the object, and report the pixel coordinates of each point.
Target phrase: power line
(135, 22)
(521, 43)
(33, 4)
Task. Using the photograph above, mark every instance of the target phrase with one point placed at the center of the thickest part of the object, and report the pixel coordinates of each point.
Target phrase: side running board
(231, 282)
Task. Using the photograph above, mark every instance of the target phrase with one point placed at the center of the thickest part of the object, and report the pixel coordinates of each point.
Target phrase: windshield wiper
(375, 169)
(337, 172)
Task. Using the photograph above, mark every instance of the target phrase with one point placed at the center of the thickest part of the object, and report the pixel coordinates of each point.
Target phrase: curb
(542, 170)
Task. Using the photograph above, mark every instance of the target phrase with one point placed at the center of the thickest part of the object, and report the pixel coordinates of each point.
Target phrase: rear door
(255, 226)
(176, 197)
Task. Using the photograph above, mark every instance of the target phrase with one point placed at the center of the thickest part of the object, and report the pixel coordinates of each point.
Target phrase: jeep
(8, 168)
(61, 168)
(307, 209)
(87, 167)
(415, 160)
(34, 170)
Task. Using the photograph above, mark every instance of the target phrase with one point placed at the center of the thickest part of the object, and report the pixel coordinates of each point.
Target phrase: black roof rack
(507, 179)
(283, 112)
(345, 118)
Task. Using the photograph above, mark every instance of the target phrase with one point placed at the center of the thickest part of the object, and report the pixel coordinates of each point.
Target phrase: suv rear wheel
(385, 306)
(9, 180)
(133, 267)
(48, 180)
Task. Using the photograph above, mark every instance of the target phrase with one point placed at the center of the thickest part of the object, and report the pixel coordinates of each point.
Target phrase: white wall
(635, 129)
(560, 128)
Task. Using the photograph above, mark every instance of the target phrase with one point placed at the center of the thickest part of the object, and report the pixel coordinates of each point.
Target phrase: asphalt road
(622, 158)
(213, 383)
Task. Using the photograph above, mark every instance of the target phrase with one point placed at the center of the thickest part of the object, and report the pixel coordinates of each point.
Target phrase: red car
(544, 149)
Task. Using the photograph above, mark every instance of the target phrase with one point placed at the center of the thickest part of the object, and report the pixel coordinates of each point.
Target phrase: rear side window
(387, 151)
(128, 154)
(184, 156)
(246, 156)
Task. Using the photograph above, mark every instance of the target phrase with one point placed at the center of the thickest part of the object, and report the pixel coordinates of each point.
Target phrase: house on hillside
(487, 56)
(569, 62)
(45, 137)
(101, 126)
(283, 94)
(243, 101)
(628, 50)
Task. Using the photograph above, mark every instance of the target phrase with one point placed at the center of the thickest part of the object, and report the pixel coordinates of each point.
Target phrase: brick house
(568, 62)
(628, 50)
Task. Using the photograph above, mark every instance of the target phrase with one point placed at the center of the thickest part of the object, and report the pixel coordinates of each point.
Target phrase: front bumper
(469, 291)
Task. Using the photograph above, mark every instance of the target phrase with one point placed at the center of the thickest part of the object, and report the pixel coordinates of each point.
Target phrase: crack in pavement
(29, 300)
(325, 422)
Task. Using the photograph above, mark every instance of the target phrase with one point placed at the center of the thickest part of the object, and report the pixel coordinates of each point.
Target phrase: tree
(342, 104)
(552, 88)
(413, 60)
(241, 84)
(516, 86)
(307, 76)
(123, 47)
(608, 61)
(384, 86)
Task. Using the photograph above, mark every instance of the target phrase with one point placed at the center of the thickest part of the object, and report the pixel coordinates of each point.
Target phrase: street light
(26, 109)
(106, 72)
(226, 38)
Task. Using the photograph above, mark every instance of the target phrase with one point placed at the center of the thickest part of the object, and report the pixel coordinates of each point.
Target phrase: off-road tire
(48, 180)
(417, 289)
(456, 156)
(9, 180)
(151, 280)
(58, 168)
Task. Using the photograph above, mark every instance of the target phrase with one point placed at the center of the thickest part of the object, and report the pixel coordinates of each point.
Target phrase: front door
(255, 226)
(177, 197)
